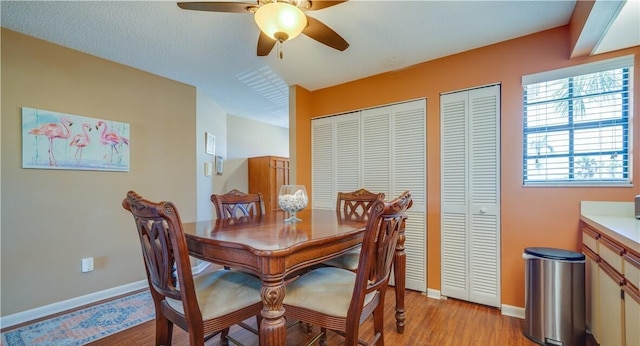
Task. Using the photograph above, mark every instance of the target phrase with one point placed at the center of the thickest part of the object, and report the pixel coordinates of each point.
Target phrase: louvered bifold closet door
(453, 197)
(335, 162)
(408, 172)
(347, 153)
(484, 183)
(322, 163)
(470, 196)
(382, 149)
(376, 150)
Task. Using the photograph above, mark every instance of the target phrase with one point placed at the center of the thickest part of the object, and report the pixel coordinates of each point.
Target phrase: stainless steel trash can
(554, 296)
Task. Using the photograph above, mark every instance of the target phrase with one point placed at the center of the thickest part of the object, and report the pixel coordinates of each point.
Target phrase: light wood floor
(429, 322)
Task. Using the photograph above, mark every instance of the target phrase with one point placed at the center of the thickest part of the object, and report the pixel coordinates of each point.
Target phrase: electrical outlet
(87, 264)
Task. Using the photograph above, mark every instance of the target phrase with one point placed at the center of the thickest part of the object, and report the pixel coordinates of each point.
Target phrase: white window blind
(576, 125)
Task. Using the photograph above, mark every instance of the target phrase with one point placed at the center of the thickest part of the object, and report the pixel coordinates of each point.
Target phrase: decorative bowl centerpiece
(292, 199)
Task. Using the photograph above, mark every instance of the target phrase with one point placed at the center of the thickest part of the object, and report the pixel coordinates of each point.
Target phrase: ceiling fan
(279, 20)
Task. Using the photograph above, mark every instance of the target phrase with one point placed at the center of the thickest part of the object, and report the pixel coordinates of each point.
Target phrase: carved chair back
(385, 222)
(236, 203)
(173, 287)
(166, 256)
(344, 310)
(356, 204)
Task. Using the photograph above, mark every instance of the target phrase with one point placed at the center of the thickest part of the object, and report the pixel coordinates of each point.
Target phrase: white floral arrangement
(295, 202)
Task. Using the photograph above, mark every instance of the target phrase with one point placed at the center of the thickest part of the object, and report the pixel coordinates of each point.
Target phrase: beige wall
(249, 138)
(51, 219)
(212, 119)
(54, 218)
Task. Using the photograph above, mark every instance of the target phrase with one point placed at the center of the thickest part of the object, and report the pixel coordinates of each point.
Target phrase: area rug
(86, 325)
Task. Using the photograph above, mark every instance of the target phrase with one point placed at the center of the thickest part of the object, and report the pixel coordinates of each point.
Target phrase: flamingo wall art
(52, 140)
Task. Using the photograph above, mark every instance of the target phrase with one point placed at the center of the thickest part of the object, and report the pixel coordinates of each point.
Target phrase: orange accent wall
(529, 216)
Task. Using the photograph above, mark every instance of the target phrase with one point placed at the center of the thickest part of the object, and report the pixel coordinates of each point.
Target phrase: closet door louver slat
(409, 173)
(453, 132)
(484, 180)
(322, 163)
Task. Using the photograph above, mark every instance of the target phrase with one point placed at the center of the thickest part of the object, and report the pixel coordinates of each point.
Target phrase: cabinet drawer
(611, 253)
(632, 269)
(590, 238)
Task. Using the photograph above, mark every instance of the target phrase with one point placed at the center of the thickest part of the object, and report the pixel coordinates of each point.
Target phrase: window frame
(571, 126)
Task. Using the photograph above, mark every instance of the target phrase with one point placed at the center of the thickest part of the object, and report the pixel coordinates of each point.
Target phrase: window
(577, 126)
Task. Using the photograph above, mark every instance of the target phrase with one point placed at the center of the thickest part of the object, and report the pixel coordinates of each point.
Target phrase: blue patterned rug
(86, 325)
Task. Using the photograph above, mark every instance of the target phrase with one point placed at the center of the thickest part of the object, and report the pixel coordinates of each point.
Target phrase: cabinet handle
(630, 292)
(483, 210)
(590, 231)
(590, 253)
(619, 250)
(632, 259)
(611, 272)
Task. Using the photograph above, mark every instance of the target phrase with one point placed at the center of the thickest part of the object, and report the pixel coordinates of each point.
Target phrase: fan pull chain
(279, 49)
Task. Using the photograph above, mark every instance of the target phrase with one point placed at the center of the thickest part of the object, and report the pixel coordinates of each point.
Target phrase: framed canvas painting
(210, 143)
(52, 140)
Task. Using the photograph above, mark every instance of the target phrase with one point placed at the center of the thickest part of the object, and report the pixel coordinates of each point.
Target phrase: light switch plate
(208, 169)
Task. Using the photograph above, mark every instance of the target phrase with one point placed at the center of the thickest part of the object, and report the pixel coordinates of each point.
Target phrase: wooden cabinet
(266, 175)
(613, 299)
(592, 290)
(611, 313)
(632, 298)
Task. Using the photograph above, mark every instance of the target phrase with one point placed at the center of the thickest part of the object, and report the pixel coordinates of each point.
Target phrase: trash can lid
(554, 254)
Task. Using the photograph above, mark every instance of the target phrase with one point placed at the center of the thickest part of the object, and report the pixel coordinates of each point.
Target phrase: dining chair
(236, 203)
(232, 207)
(203, 305)
(352, 206)
(341, 300)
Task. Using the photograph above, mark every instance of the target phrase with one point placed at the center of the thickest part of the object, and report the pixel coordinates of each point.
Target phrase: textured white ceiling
(216, 52)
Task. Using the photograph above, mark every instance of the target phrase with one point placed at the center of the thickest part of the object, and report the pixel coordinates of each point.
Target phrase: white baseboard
(46, 310)
(202, 265)
(507, 310)
(435, 294)
(513, 311)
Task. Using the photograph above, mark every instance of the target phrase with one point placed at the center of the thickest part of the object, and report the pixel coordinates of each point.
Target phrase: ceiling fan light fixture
(280, 21)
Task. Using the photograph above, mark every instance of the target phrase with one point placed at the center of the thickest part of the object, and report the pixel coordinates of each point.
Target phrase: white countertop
(615, 219)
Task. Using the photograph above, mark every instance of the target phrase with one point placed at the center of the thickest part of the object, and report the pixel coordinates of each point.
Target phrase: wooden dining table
(273, 250)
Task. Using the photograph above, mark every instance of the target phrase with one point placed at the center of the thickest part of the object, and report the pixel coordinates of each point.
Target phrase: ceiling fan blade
(320, 4)
(233, 7)
(265, 44)
(324, 34)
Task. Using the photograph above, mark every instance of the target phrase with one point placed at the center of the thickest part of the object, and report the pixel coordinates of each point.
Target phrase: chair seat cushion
(327, 290)
(222, 292)
(348, 261)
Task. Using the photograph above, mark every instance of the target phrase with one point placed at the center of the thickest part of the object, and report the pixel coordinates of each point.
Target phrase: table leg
(273, 330)
(399, 276)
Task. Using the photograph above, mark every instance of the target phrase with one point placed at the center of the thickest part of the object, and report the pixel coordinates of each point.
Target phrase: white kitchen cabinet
(612, 295)
(632, 317)
(632, 299)
(611, 306)
(592, 289)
